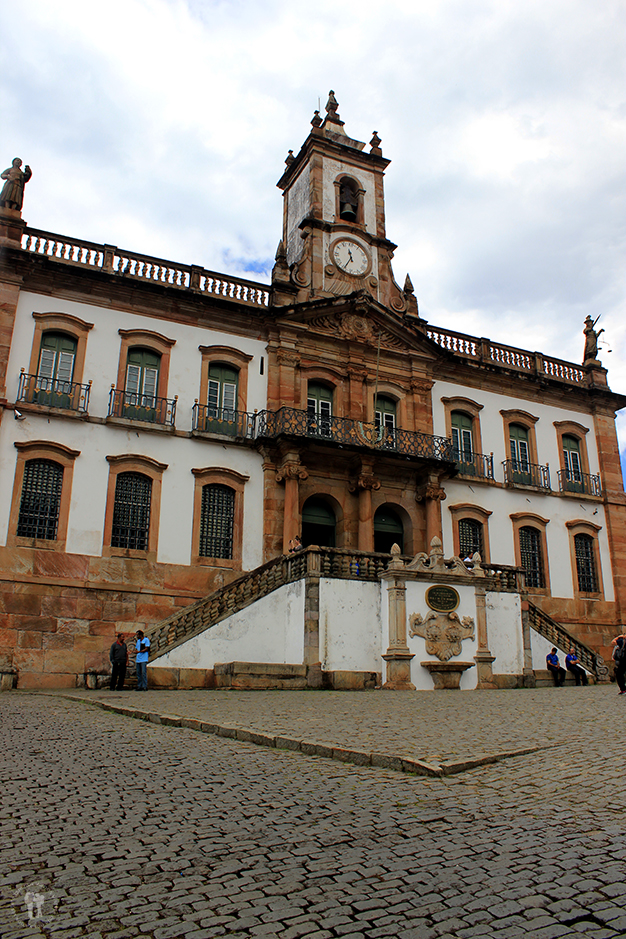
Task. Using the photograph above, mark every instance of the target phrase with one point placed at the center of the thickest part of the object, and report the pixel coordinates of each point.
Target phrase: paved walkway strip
(399, 762)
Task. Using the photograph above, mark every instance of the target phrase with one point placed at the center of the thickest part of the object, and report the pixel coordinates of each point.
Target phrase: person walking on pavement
(619, 658)
(141, 662)
(573, 665)
(118, 657)
(554, 666)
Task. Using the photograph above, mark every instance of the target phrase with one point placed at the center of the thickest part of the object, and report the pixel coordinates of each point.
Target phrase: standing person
(141, 662)
(295, 544)
(554, 666)
(573, 665)
(118, 657)
(619, 657)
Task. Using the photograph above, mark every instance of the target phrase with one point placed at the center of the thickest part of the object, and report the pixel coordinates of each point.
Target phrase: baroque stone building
(165, 428)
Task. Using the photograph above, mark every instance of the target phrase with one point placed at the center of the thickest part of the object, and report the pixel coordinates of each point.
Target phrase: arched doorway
(318, 523)
(388, 530)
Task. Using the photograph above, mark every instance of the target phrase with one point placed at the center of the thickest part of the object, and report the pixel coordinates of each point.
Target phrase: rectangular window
(217, 516)
(41, 500)
(585, 564)
(131, 511)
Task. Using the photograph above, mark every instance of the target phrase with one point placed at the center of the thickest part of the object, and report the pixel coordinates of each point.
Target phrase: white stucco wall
(504, 632)
(96, 439)
(271, 630)
(502, 503)
(350, 625)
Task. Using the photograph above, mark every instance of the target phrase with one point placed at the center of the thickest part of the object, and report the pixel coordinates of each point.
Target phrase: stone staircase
(564, 641)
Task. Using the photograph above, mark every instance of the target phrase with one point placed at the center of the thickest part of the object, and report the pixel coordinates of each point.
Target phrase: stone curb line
(401, 764)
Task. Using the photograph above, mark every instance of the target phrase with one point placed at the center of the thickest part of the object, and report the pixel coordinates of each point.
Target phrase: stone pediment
(361, 319)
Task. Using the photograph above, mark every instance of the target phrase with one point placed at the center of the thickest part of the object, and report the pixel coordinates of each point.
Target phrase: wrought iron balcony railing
(348, 432)
(52, 393)
(340, 430)
(520, 473)
(479, 465)
(137, 407)
(211, 420)
(584, 483)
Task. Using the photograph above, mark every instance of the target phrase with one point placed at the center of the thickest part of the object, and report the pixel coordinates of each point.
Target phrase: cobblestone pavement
(121, 828)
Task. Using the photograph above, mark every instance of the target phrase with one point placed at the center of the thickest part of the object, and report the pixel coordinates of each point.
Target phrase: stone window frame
(532, 520)
(573, 429)
(42, 450)
(517, 416)
(469, 407)
(580, 526)
(218, 476)
(462, 510)
(324, 376)
(147, 466)
(225, 355)
(360, 193)
(395, 393)
(154, 342)
(61, 323)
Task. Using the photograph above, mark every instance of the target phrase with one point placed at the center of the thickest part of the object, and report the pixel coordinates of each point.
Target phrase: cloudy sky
(161, 126)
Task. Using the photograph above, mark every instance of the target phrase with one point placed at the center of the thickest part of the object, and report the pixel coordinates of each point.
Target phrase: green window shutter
(462, 436)
(57, 357)
(222, 387)
(142, 372)
(571, 456)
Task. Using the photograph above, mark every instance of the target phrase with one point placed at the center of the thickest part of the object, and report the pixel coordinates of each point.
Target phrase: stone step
(543, 678)
(248, 676)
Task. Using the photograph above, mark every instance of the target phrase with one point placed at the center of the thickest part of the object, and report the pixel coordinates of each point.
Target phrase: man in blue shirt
(141, 662)
(573, 665)
(553, 665)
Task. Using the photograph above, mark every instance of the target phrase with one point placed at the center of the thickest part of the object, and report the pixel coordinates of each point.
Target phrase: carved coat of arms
(443, 632)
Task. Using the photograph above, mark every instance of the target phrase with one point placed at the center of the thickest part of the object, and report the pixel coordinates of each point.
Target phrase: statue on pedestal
(591, 340)
(12, 195)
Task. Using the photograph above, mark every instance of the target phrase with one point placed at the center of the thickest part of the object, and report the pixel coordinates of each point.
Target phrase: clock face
(350, 257)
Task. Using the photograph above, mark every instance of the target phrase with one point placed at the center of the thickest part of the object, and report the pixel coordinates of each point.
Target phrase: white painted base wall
(354, 631)
(269, 630)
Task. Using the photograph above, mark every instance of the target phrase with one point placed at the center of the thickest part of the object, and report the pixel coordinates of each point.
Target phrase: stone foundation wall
(59, 613)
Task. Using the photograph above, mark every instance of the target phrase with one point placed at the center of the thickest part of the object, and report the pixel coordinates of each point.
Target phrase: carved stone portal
(443, 632)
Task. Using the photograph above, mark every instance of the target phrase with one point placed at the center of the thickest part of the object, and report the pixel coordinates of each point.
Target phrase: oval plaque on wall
(442, 599)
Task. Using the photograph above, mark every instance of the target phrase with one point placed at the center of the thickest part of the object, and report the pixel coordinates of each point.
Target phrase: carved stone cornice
(364, 481)
(291, 470)
(357, 372)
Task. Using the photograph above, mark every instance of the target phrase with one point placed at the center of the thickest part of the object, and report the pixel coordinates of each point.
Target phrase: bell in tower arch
(348, 200)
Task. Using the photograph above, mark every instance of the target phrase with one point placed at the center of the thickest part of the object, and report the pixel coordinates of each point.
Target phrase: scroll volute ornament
(364, 481)
(291, 470)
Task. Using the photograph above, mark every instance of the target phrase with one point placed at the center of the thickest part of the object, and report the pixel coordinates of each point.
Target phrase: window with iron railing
(531, 556)
(585, 563)
(217, 516)
(471, 538)
(131, 511)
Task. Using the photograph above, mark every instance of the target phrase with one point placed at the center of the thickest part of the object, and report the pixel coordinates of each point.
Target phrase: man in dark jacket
(119, 659)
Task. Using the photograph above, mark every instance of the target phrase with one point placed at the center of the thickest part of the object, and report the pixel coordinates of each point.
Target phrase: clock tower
(334, 240)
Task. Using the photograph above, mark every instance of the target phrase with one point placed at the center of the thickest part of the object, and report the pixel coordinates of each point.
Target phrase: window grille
(41, 498)
(585, 564)
(470, 538)
(131, 511)
(531, 557)
(217, 518)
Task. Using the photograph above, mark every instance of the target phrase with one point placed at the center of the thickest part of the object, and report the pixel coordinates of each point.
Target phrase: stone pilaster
(398, 657)
(483, 658)
(432, 495)
(291, 472)
(312, 658)
(528, 671)
(364, 485)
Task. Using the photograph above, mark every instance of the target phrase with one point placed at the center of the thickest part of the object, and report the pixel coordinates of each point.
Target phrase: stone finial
(436, 547)
(316, 120)
(331, 106)
(12, 195)
(396, 562)
(289, 158)
(375, 143)
(408, 285)
(280, 271)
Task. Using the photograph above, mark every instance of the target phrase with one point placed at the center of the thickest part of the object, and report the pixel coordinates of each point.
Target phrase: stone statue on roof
(591, 340)
(12, 195)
